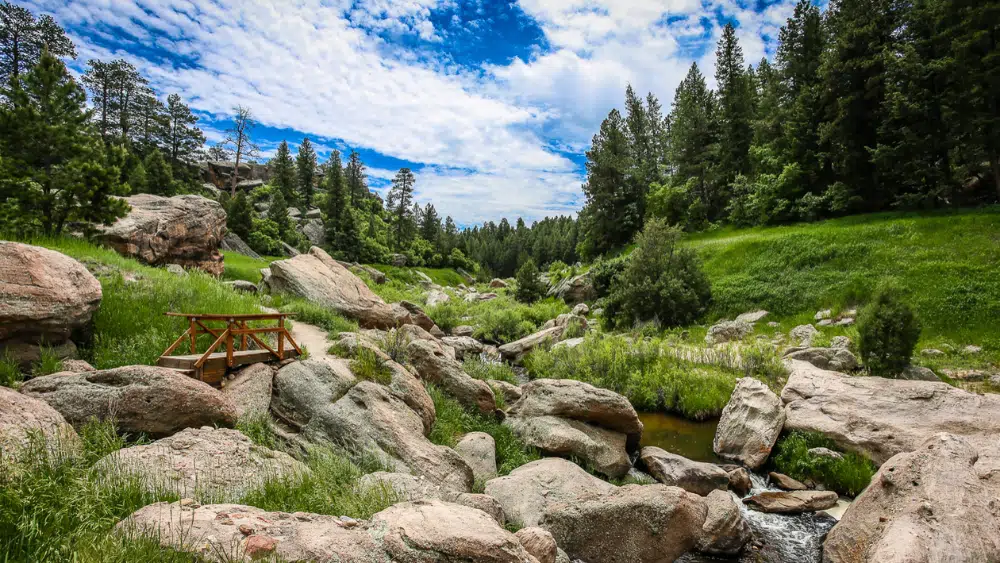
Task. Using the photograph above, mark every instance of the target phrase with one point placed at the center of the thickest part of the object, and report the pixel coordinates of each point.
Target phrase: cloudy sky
(491, 103)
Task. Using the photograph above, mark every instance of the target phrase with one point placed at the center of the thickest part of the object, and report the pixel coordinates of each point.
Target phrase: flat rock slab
(791, 502)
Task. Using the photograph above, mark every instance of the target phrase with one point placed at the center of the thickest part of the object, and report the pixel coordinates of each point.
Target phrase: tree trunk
(236, 169)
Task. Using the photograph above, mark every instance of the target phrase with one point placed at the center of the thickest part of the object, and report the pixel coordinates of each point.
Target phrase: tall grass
(242, 267)
(849, 475)
(499, 320)
(446, 277)
(314, 314)
(487, 371)
(369, 366)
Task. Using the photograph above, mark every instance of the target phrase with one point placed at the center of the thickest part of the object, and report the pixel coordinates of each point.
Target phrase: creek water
(778, 538)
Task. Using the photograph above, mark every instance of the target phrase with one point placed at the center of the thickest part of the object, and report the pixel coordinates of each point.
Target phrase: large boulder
(154, 400)
(435, 366)
(45, 297)
(22, 416)
(728, 331)
(836, 359)
(791, 502)
(692, 476)
(931, 504)
(405, 487)
(436, 297)
(464, 346)
(186, 230)
(725, 531)
(479, 450)
(603, 449)
(249, 389)
(750, 425)
(515, 351)
(233, 243)
(312, 229)
(321, 279)
(419, 317)
(202, 463)
(575, 290)
(881, 417)
(302, 390)
(528, 491)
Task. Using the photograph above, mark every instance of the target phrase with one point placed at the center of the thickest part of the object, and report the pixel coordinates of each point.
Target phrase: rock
(750, 424)
(637, 477)
(76, 366)
(970, 349)
(202, 463)
(881, 417)
(26, 354)
(419, 317)
(294, 213)
(530, 490)
(314, 213)
(289, 250)
(154, 400)
(753, 317)
(918, 373)
(515, 351)
(539, 543)
(836, 359)
(825, 452)
(728, 331)
(824, 314)
(465, 346)
(574, 290)
(497, 283)
(241, 285)
(478, 449)
(186, 230)
(398, 260)
(785, 482)
(931, 352)
(302, 390)
(678, 471)
(313, 230)
(436, 367)
(580, 401)
(847, 321)
(628, 524)
(435, 298)
(739, 481)
(232, 242)
(21, 416)
(842, 342)
(376, 275)
(471, 297)
(569, 343)
(803, 335)
(581, 310)
(511, 393)
(603, 449)
(250, 390)
(566, 320)
(932, 504)
(405, 487)
(485, 503)
(791, 502)
(319, 278)
(45, 296)
(463, 330)
(725, 531)
(176, 270)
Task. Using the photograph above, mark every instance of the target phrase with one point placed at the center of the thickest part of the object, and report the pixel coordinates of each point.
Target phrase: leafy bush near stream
(848, 476)
(499, 320)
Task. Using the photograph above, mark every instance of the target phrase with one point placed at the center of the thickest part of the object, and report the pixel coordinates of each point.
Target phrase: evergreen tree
(305, 164)
(282, 170)
(611, 214)
(159, 176)
(56, 169)
(430, 226)
(735, 107)
(182, 136)
(137, 179)
(239, 216)
(694, 145)
(278, 213)
(337, 206)
(357, 187)
(450, 235)
(152, 123)
(640, 139)
(23, 38)
(529, 285)
(399, 201)
(348, 241)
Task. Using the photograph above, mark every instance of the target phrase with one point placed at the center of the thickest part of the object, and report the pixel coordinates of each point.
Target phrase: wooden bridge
(237, 335)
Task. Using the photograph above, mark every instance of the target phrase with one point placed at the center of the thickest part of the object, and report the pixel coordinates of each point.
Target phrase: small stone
(825, 452)
(773, 324)
(258, 547)
(187, 502)
(971, 349)
(348, 522)
(825, 322)
(841, 342)
(931, 352)
(753, 317)
(785, 482)
(824, 314)
(848, 321)
(176, 270)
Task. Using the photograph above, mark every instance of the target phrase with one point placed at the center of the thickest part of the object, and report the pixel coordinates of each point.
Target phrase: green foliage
(10, 371)
(277, 213)
(504, 320)
(394, 343)
(604, 271)
(265, 237)
(159, 176)
(529, 286)
(848, 476)
(305, 167)
(240, 267)
(258, 429)
(240, 216)
(453, 421)
(400, 204)
(48, 362)
(314, 314)
(368, 366)
(487, 371)
(888, 333)
(661, 281)
(283, 173)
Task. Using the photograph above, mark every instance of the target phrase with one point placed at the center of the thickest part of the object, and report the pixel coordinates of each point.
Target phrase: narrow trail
(313, 338)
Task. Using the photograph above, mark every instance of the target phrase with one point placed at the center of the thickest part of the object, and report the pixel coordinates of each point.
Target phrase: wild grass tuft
(10, 371)
(314, 314)
(48, 362)
(242, 267)
(485, 371)
(848, 476)
(258, 429)
(368, 366)
(394, 343)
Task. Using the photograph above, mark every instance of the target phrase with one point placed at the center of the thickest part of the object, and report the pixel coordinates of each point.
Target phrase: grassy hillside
(946, 265)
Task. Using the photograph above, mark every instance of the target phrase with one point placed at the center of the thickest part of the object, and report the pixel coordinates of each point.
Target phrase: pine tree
(305, 164)
(399, 201)
(694, 144)
(278, 212)
(430, 226)
(357, 188)
(611, 214)
(137, 179)
(159, 176)
(336, 200)
(640, 138)
(282, 170)
(56, 167)
(239, 216)
(23, 38)
(152, 123)
(182, 136)
(735, 107)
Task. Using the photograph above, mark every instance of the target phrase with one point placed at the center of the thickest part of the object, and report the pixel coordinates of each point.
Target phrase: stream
(778, 538)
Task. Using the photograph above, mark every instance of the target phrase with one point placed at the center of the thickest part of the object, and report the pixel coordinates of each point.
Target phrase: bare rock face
(419, 317)
(739, 481)
(44, 296)
(202, 463)
(725, 531)
(186, 230)
(436, 297)
(528, 491)
(881, 417)
(575, 290)
(803, 335)
(931, 504)
(479, 450)
(465, 346)
(21, 415)
(692, 476)
(250, 390)
(791, 502)
(750, 424)
(321, 279)
(405, 487)
(435, 366)
(232, 242)
(154, 400)
(539, 543)
(303, 389)
(602, 448)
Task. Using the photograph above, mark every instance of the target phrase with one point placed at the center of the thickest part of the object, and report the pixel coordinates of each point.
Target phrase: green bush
(888, 333)
(486, 371)
(660, 281)
(604, 271)
(529, 286)
(849, 475)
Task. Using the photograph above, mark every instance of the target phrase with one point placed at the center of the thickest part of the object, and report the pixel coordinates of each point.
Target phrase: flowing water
(778, 538)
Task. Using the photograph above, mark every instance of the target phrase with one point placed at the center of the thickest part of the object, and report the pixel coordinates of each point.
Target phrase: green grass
(848, 476)
(453, 421)
(945, 265)
(446, 277)
(486, 371)
(258, 429)
(47, 364)
(311, 313)
(10, 371)
(368, 366)
(395, 290)
(499, 320)
(242, 267)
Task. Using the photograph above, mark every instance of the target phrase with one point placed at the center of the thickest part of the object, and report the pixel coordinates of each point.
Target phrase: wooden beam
(176, 343)
(201, 361)
(219, 317)
(194, 335)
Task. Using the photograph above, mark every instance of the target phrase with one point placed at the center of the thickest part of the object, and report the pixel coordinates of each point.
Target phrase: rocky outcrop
(21, 416)
(321, 279)
(529, 491)
(186, 230)
(574, 290)
(420, 318)
(233, 243)
(724, 531)
(678, 471)
(479, 450)
(881, 417)
(728, 331)
(465, 346)
(931, 504)
(154, 400)
(249, 389)
(515, 351)
(603, 449)
(791, 502)
(539, 543)
(313, 230)
(750, 425)
(45, 297)
(434, 365)
(836, 359)
(202, 463)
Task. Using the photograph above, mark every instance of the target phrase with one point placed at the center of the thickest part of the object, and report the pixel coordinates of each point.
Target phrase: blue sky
(491, 103)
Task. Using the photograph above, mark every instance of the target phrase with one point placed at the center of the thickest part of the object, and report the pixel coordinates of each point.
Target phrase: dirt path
(313, 338)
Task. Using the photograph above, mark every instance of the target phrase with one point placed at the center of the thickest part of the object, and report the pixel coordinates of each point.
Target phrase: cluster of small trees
(874, 105)
(501, 249)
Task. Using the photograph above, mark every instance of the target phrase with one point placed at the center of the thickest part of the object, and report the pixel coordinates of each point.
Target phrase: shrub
(604, 271)
(888, 333)
(368, 366)
(486, 371)
(529, 286)
(394, 343)
(849, 475)
(660, 281)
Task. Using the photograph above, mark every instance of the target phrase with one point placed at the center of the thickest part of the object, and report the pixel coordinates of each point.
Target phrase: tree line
(873, 105)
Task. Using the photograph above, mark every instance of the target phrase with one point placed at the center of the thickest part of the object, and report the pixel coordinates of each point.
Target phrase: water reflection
(674, 434)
